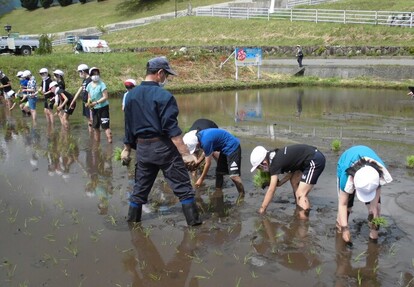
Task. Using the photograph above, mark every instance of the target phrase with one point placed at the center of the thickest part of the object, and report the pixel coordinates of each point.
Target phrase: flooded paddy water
(64, 200)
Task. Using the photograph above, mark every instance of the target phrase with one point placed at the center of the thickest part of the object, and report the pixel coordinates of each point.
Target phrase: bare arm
(286, 178)
(188, 158)
(76, 97)
(269, 194)
(205, 170)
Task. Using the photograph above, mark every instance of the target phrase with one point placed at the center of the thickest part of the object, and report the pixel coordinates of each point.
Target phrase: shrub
(29, 4)
(64, 3)
(410, 161)
(46, 3)
(45, 45)
(336, 145)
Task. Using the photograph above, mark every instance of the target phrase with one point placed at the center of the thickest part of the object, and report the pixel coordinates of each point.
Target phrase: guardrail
(391, 18)
(293, 3)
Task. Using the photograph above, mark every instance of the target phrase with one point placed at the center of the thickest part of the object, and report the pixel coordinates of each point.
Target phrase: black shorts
(86, 111)
(315, 168)
(70, 110)
(229, 164)
(100, 118)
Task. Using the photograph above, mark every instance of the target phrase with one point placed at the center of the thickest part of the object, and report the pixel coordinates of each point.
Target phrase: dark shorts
(69, 110)
(100, 118)
(86, 111)
(351, 199)
(315, 168)
(229, 164)
(153, 156)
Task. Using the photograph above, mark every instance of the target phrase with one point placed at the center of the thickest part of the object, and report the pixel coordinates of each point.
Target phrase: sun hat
(58, 72)
(130, 83)
(257, 156)
(19, 74)
(160, 63)
(43, 71)
(83, 67)
(366, 182)
(53, 84)
(191, 141)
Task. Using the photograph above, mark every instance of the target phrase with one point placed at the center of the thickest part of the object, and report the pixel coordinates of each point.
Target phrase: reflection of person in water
(345, 273)
(299, 103)
(148, 264)
(99, 169)
(295, 249)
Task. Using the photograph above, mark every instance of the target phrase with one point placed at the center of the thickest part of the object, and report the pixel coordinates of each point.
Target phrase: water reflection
(149, 267)
(289, 243)
(347, 275)
(248, 111)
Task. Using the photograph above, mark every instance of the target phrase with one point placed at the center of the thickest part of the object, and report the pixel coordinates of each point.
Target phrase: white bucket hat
(257, 157)
(191, 141)
(366, 182)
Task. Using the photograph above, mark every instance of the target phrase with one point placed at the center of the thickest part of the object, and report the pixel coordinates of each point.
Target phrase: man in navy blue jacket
(151, 127)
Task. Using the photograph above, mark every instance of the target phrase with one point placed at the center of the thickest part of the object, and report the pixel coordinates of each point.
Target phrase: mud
(64, 200)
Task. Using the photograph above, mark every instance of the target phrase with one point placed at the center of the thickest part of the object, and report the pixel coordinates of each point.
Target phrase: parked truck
(18, 46)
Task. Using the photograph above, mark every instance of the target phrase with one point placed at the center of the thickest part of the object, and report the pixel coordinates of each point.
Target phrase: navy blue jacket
(150, 111)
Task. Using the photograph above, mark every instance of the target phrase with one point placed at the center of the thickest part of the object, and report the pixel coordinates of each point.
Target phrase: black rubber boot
(191, 214)
(134, 213)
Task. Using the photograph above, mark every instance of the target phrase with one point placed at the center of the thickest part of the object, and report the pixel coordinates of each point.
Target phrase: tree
(46, 3)
(45, 45)
(29, 4)
(64, 3)
(132, 6)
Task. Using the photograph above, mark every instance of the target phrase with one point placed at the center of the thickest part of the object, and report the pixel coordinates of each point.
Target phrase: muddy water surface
(64, 199)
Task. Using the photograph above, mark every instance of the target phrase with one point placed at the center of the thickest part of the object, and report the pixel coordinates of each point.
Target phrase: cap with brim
(191, 141)
(53, 84)
(160, 63)
(366, 182)
(130, 82)
(257, 157)
(10, 93)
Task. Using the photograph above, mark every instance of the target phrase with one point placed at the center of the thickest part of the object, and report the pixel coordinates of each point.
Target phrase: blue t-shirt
(95, 91)
(212, 140)
(351, 156)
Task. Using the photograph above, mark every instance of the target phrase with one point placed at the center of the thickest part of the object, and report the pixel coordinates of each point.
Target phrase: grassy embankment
(199, 69)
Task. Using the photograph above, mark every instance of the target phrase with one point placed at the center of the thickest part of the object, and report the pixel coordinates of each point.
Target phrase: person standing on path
(299, 55)
(151, 127)
(360, 171)
(303, 164)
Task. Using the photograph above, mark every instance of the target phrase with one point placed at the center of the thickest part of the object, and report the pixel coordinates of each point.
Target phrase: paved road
(343, 62)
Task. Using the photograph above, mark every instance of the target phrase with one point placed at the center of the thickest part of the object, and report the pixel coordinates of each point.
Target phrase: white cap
(58, 72)
(19, 74)
(93, 69)
(26, 73)
(257, 156)
(10, 93)
(366, 182)
(53, 84)
(191, 141)
(43, 70)
(82, 67)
